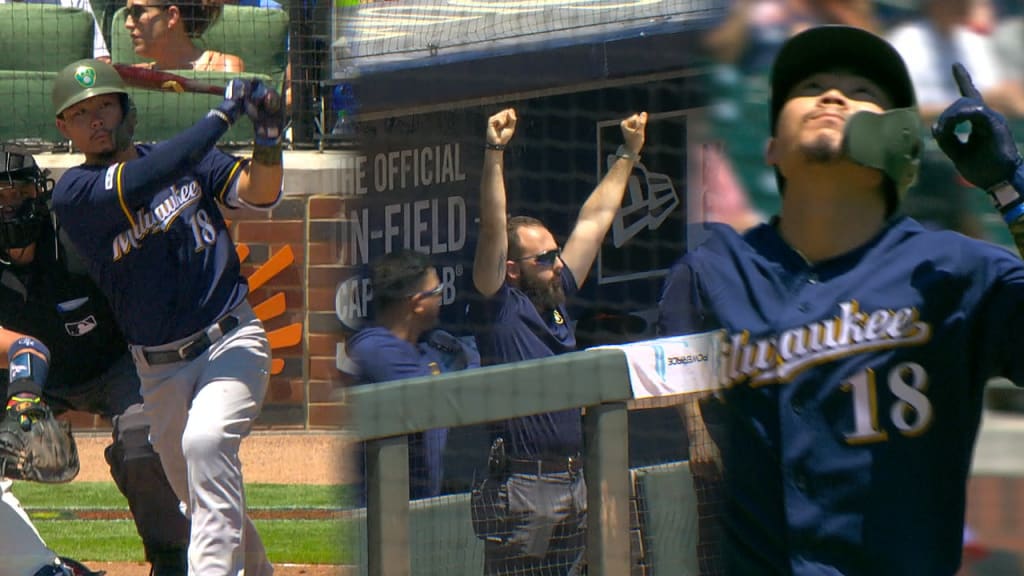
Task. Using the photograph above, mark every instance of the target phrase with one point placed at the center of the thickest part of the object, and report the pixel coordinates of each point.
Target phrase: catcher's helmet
(890, 142)
(22, 217)
(84, 79)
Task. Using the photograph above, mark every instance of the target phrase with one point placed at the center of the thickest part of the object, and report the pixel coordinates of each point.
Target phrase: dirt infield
(274, 458)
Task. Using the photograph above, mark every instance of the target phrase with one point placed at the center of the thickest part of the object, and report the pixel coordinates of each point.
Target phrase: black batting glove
(234, 100)
(263, 107)
(989, 157)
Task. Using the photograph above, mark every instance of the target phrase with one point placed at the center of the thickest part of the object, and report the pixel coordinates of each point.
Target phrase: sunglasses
(137, 10)
(545, 259)
(428, 293)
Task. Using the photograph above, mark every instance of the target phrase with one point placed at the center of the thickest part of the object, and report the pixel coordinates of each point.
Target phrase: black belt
(571, 465)
(193, 348)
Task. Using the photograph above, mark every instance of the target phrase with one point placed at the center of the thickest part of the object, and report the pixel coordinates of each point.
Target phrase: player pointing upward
(148, 221)
(857, 342)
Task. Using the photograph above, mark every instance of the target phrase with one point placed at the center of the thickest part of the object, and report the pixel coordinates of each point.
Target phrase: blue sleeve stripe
(120, 195)
(227, 183)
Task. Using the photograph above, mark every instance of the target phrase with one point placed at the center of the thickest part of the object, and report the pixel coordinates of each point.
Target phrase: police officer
(46, 293)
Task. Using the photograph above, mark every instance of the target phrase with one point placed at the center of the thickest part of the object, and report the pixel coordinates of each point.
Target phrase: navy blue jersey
(851, 391)
(508, 328)
(161, 254)
(380, 356)
(63, 308)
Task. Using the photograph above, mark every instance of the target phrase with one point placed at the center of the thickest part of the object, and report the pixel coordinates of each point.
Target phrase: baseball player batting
(856, 343)
(147, 220)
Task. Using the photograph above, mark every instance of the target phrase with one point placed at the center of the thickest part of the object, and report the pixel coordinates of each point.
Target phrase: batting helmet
(890, 142)
(22, 218)
(84, 79)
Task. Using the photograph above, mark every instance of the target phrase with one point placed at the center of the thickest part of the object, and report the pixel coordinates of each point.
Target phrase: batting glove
(234, 100)
(989, 157)
(263, 107)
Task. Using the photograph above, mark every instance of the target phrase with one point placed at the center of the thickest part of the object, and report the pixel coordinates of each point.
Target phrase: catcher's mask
(24, 191)
(891, 141)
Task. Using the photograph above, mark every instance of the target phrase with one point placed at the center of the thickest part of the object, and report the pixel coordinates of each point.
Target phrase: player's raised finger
(964, 82)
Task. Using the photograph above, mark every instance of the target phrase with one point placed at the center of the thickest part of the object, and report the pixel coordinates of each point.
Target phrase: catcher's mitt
(35, 446)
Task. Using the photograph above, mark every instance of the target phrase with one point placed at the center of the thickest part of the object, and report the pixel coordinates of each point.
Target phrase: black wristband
(490, 146)
(22, 386)
(267, 155)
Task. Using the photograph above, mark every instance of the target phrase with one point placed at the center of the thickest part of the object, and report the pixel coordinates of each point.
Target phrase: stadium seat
(43, 37)
(37, 40)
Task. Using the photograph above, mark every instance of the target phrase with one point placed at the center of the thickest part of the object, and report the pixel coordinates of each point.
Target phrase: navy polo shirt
(509, 328)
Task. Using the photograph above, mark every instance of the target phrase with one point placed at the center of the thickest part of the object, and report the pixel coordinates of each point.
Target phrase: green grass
(292, 541)
(104, 496)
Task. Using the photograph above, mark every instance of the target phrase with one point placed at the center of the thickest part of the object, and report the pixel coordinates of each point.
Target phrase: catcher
(33, 446)
(46, 293)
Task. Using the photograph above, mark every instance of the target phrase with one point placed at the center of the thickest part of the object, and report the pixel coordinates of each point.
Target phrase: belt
(571, 465)
(193, 348)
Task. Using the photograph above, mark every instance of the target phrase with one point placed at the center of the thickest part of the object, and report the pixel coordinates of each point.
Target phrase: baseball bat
(164, 81)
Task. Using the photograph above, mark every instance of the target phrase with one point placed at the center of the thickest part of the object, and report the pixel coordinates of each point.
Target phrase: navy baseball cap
(829, 47)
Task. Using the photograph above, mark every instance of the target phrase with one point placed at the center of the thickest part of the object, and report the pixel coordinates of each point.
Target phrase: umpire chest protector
(54, 300)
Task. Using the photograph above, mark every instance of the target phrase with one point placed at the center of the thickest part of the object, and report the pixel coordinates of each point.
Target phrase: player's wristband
(267, 155)
(624, 153)
(1008, 196)
(1014, 213)
(498, 147)
(28, 359)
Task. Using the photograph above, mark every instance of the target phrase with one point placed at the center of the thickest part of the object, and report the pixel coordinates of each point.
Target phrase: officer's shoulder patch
(108, 179)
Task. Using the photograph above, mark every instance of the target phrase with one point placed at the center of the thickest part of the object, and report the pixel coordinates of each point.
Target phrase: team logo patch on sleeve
(108, 180)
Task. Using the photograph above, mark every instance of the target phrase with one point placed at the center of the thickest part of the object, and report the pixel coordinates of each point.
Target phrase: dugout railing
(596, 381)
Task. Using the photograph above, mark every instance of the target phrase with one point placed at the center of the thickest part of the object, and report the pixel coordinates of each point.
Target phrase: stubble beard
(823, 149)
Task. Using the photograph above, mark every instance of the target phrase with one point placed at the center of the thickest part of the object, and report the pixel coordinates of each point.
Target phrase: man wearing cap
(856, 343)
(148, 222)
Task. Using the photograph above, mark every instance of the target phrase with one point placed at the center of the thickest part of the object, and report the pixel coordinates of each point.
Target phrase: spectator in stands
(169, 34)
(1008, 38)
(403, 342)
(99, 43)
(531, 509)
(942, 36)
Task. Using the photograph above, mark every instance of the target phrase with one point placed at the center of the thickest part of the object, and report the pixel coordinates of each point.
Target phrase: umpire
(46, 293)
